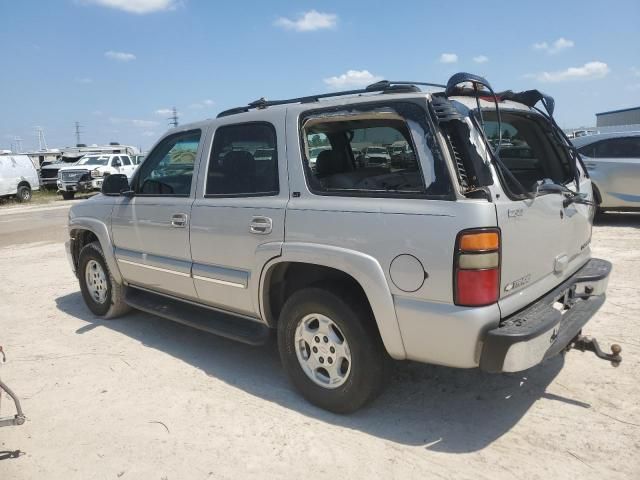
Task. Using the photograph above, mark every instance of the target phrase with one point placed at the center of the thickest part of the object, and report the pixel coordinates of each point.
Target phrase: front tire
(24, 193)
(330, 348)
(102, 294)
(68, 195)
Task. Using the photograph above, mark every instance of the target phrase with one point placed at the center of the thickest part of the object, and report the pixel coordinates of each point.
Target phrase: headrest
(239, 163)
(327, 163)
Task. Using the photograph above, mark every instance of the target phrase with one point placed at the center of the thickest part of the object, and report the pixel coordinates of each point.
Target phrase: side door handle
(261, 225)
(179, 220)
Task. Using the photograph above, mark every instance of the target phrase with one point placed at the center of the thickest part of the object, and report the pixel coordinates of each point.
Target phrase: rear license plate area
(565, 300)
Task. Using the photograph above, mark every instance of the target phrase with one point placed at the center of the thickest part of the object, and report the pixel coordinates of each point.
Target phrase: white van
(18, 177)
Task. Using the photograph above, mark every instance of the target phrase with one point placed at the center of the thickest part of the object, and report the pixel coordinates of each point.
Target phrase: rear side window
(125, 160)
(168, 169)
(613, 148)
(372, 152)
(244, 161)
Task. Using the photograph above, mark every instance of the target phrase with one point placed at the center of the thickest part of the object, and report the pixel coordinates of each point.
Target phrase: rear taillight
(476, 267)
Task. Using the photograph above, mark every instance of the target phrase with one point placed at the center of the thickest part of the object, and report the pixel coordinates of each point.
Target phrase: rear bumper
(547, 326)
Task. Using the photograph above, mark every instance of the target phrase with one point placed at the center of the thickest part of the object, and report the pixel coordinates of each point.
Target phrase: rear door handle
(179, 220)
(261, 225)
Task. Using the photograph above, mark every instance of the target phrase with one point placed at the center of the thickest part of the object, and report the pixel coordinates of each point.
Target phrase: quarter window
(244, 161)
(371, 153)
(168, 170)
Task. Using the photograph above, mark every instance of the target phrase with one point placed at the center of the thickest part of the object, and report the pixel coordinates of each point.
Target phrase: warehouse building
(625, 119)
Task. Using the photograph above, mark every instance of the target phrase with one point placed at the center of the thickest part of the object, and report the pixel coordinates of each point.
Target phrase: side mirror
(116, 184)
(116, 163)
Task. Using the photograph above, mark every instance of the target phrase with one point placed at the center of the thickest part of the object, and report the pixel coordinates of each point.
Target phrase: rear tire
(352, 329)
(102, 294)
(68, 195)
(24, 193)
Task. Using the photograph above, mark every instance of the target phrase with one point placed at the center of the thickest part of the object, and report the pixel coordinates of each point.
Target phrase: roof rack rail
(381, 86)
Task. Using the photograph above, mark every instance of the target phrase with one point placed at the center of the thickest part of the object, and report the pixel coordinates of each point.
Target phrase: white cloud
(84, 80)
(203, 104)
(556, 47)
(481, 59)
(309, 21)
(590, 70)
(143, 123)
(133, 122)
(448, 58)
(135, 6)
(635, 71)
(163, 111)
(353, 78)
(120, 56)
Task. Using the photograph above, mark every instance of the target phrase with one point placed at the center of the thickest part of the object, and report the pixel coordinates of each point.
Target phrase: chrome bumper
(547, 326)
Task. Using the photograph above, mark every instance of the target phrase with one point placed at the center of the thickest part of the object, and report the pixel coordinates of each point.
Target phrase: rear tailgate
(543, 243)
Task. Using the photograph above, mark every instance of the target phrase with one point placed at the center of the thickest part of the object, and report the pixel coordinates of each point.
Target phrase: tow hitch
(590, 344)
(18, 418)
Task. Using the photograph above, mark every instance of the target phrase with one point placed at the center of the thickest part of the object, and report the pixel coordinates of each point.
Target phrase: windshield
(93, 160)
(376, 150)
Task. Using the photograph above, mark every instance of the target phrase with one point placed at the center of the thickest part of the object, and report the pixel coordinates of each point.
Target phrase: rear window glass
(529, 149)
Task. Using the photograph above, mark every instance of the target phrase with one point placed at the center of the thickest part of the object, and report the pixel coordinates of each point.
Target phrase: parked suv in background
(88, 173)
(613, 162)
(461, 259)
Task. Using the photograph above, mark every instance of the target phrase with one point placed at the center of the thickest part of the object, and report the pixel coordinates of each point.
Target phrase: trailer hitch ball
(590, 344)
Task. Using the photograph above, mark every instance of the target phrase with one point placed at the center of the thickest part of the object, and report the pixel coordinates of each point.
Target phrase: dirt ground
(144, 398)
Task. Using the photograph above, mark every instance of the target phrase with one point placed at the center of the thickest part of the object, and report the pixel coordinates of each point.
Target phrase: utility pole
(78, 131)
(42, 142)
(173, 119)
(18, 144)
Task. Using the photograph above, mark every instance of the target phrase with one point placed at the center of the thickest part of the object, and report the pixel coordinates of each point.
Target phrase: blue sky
(117, 66)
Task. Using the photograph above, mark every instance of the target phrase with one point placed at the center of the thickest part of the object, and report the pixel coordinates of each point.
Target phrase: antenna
(78, 132)
(42, 142)
(173, 119)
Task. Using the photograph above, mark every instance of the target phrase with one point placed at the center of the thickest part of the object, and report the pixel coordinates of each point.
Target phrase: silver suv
(474, 254)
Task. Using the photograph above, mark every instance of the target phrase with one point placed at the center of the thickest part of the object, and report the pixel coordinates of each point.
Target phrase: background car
(613, 162)
(377, 157)
(87, 173)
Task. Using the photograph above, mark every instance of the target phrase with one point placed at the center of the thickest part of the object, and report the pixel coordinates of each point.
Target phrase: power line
(173, 119)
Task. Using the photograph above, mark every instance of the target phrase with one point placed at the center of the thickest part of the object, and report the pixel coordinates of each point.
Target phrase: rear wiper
(569, 195)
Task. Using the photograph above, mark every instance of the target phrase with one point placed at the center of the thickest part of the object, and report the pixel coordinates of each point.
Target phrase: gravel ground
(144, 398)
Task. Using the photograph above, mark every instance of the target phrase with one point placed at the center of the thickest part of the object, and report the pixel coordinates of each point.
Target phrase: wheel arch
(84, 230)
(301, 265)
